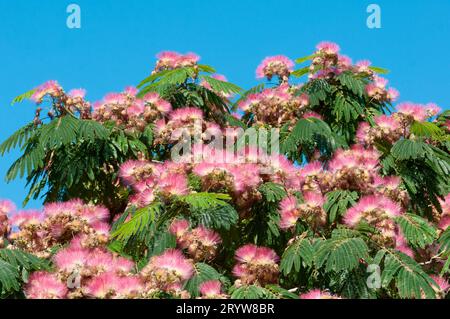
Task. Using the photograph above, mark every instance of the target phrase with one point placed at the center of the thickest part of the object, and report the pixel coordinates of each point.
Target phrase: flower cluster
(276, 106)
(169, 60)
(377, 211)
(97, 273)
(168, 272)
(318, 294)
(125, 109)
(38, 232)
(238, 174)
(279, 65)
(310, 211)
(212, 289)
(62, 102)
(184, 124)
(6, 207)
(256, 265)
(352, 169)
(201, 243)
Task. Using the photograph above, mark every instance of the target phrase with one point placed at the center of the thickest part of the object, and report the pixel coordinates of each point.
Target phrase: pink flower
(179, 227)
(432, 109)
(416, 111)
(6, 206)
(43, 285)
(51, 88)
(26, 217)
(441, 282)
(318, 294)
(173, 260)
(77, 93)
(71, 259)
(279, 65)
(210, 288)
(103, 286)
(329, 48)
(246, 253)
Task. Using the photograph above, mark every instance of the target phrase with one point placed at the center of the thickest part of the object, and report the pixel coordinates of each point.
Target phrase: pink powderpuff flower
(6, 206)
(247, 253)
(26, 217)
(318, 294)
(311, 169)
(314, 199)
(174, 184)
(136, 109)
(432, 109)
(43, 285)
(402, 245)
(188, 59)
(179, 227)
(103, 286)
(363, 66)
(362, 133)
(393, 94)
(130, 91)
(207, 236)
(390, 182)
(128, 287)
(265, 255)
(275, 65)
(71, 259)
(100, 260)
(51, 87)
(186, 114)
(93, 214)
(77, 93)
(441, 282)
(174, 261)
(168, 58)
(246, 176)
(328, 48)
(387, 122)
(416, 111)
(211, 288)
(444, 222)
(123, 265)
(368, 204)
(344, 61)
(146, 197)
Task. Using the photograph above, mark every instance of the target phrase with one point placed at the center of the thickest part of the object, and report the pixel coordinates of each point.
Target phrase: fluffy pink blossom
(279, 65)
(43, 285)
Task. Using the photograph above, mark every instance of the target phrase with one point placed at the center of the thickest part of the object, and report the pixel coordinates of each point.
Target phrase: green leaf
(411, 281)
(138, 224)
(379, 70)
(426, 129)
(300, 72)
(417, 231)
(272, 192)
(221, 86)
(203, 272)
(339, 254)
(408, 149)
(251, 292)
(23, 96)
(299, 252)
(305, 58)
(338, 202)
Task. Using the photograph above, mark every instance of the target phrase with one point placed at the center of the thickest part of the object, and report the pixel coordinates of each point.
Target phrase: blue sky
(116, 44)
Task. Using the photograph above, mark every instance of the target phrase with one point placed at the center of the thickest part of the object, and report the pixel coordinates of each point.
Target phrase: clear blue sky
(116, 44)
